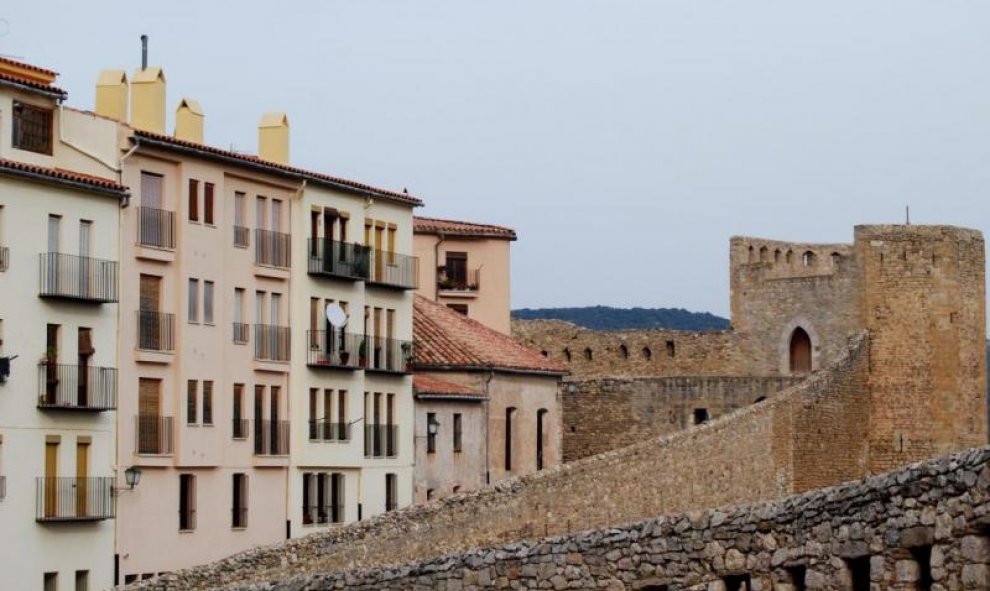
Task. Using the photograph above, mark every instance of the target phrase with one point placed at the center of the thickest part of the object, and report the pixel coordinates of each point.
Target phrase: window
(239, 505)
(193, 200)
(429, 494)
(240, 423)
(701, 416)
(192, 399)
(391, 492)
(337, 497)
(510, 414)
(82, 580)
(671, 351)
(208, 203)
(187, 502)
(431, 432)
(459, 308)
(859, 572)
(32, 128)
(208, 302)
(457, 432)
(194, 300)
(541, 419)
(456, 271)
(798, 574)
(308, 512)
(322, 498)
(51, 581)
(241, 234)
(207, 402)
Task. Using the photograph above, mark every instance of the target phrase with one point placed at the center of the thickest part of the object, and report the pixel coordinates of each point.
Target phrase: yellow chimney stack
(273, 137)
(111, 94)
(189, 121)
(148, 100)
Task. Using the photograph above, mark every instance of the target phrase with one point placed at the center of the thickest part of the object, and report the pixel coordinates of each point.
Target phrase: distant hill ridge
(609, 318)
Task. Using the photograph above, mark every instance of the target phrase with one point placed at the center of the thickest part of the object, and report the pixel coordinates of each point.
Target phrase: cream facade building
(59, 206)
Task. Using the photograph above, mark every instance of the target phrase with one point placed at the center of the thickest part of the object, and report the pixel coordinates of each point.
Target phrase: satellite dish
(336, 316)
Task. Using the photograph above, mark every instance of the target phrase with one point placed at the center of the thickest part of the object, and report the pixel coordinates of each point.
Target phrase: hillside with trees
(609, 318)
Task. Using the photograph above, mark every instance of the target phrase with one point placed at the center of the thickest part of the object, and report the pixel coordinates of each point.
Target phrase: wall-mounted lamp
(433, 428)
(132, 476)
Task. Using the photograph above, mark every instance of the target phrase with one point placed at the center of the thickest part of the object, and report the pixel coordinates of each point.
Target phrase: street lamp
(132, 476)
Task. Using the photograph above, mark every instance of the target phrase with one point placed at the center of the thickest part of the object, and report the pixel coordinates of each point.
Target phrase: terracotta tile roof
(60, 174)
(251, 159)
(426, 385)
(43, 71)
(32, 85)
(423, 225)
(447, 339)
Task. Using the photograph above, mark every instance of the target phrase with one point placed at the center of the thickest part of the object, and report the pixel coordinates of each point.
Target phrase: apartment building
(250, 418)
(466, 268)
(59, 206)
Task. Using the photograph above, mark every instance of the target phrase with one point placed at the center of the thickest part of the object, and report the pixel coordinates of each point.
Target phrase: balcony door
(85, 228)
(82, 478)
(54, 229)
(149, 409)
(85, 348)
(51, 478)
(150, 333)
(51, 364)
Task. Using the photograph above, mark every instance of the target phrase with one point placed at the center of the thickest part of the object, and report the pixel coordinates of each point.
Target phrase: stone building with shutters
(59, 205)
(487, 407)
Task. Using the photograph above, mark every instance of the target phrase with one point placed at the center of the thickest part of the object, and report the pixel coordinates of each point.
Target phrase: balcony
(335, 349)
(156, 331)
(240, 429)
(467, 283)
(4, 258)
(82, 279)
(327, 431)
(241, 332)
(76, 387)
(271, 438)
(153, 435)
(392, 270)
(242, 236)
(272, 343)
(381, 441)
(272, 249)
(156, 228)
(332, 258)
(388, 355)
(75, 499)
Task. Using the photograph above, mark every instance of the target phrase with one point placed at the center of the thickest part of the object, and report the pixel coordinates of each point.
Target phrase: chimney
(189, 121)
(148, 100)
(111, 94)
(273, 137)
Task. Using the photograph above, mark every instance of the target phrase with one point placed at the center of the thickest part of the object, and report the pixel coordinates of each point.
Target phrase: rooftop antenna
(907, 215)
(144, 52)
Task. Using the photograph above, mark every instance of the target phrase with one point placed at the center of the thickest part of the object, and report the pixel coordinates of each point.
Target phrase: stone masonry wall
(744, 457)
(924, 527)
(606, 414)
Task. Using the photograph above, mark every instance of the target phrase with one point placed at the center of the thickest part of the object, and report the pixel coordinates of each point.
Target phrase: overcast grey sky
(626, 141)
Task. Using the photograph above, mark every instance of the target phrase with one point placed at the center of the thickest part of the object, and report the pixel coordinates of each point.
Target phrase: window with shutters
(207, 402)
(208, 302)
(32, 128)
(193, 300)
(192, 402)
(208, 203)
(193, 200)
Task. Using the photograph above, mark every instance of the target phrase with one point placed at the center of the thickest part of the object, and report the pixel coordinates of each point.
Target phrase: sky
(626, 141)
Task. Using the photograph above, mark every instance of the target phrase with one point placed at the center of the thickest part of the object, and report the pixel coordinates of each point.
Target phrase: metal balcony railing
(156, 331)
(272, 249)
(334, 348)
(75, 499)
(388, 355)
(272, 343)
(327, 431)
(76, 387)
(332, 258)
(238, 517)
(241, 332)
(389, 269)
(242, 236)
(240, 429)
(156, 228)
(271, 438)
(78, 278)
(321, 514)
(470, 281)
(4, 258)
(381, 441)
(153, 435)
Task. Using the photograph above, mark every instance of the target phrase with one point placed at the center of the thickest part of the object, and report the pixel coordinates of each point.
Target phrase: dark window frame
(22, 139)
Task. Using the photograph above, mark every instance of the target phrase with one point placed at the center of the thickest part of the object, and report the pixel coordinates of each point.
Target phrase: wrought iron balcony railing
(75, 499)
(327, 431)
(320, 514)
(337, 349)
(78, 278)
(332, 258)
(272, 343)
(242, 236)
(156, 228)
(389, 269)
(271, 438)
(272, 249)
(153, 435)
(76, 387)
(156, 331)
(381, 441)
(241, 332)
(470, 281)
(388, 355)
(240, 428)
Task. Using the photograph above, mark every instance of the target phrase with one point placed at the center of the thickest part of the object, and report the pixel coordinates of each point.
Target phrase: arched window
(800, 351)
(764, 254)
(776, 255)
(835, 259)
(752, 255)
(789, 257)
(671, 351)
(808, 258)
(624, 351)
(587, 353)
(647, 354)
(567, 354)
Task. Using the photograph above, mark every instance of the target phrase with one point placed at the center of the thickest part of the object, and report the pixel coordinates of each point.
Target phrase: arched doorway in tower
(800, 351)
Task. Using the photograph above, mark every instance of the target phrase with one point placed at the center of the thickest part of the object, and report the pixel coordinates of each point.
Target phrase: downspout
(120, 168)
(436, 266)
(488, 466)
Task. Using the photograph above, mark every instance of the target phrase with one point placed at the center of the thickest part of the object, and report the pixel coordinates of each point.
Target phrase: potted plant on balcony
(407, 353)
(345, 356)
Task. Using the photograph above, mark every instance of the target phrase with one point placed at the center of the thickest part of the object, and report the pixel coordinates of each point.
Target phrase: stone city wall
(609, 413)
(748, 456)
(923, 527)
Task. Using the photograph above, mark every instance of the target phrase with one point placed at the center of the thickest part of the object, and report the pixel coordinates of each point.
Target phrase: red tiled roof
(251, 159)
(38, 69)
(434, 387)
(59, 174)
(423, 225)
(447, 339)
(31, 84)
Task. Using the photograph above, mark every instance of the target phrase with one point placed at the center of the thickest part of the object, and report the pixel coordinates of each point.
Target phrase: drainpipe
(436, 265)
(488, 466)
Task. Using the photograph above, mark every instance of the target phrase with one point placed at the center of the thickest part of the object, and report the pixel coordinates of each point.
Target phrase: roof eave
(492, 368)
(44, 178)
(449, 397)
(55, 93)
